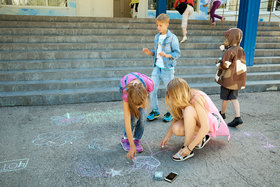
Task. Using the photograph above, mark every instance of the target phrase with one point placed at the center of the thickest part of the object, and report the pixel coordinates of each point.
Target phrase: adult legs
(185, 17)
(215, 6)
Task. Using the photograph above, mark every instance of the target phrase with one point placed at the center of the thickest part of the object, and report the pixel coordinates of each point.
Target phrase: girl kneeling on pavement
(195, 117)
(134, 88)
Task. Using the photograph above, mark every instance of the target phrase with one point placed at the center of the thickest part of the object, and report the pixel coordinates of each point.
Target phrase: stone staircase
(61, 60)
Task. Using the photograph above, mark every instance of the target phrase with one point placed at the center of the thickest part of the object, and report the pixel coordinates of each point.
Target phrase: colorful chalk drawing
(13, 165)
(88, 168)
(97, 145)
(57, 138)
(67, 119)
(87, 118)
(264, 140)
(149, 163)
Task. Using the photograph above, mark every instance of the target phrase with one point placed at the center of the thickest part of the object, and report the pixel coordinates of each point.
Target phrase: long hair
(137, 96)
(178, 96)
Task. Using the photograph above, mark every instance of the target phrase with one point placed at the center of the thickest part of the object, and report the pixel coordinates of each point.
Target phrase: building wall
(40, 10)
(95, 8)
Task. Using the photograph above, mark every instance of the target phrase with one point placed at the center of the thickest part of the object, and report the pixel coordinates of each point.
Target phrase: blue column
(161, 7)
(248, 23)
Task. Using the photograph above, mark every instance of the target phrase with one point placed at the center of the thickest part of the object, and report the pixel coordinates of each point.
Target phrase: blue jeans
(159, 75)
(139, 126)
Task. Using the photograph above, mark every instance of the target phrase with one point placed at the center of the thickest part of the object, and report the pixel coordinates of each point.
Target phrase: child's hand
(146, 51)
(164, 142)
(162, 54)
(131, 153)
(222, 47)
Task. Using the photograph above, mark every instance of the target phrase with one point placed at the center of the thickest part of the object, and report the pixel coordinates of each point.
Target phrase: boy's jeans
(159, 75)
(139, 126)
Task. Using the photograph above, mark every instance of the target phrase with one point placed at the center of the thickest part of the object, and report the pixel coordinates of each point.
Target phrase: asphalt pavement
(79, 145)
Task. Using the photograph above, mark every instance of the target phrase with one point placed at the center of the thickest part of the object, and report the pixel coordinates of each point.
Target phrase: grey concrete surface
(79, 145)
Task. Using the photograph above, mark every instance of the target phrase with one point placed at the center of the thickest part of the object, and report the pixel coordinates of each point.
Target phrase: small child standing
(134, 88)
(232, 73)
(166, 51)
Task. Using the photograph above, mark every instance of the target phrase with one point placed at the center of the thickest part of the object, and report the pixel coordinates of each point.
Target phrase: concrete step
(100, 54)
(133, 32)
(97, 46)
(117, 46)
(116, 39)
(99, 39)
(117, 54)
(110, 20)
(18, 86)
(76, 73)
(267, 60)
(108, 94)
(111, 63)
(94, 63)
(102, 25)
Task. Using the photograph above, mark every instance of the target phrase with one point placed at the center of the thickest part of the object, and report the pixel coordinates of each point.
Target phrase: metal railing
(268, 11)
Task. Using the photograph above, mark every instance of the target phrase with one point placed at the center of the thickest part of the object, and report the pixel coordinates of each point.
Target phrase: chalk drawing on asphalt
(13, 165)
(114, 173)
(149, 163)
(88, 168)
(57, 138)
(67, 119)
(87, 118)
(97, 145)
(264, 141)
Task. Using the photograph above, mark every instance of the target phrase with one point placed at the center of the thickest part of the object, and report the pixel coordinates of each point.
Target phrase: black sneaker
(236, 121)
(204, 142)
(223, 115)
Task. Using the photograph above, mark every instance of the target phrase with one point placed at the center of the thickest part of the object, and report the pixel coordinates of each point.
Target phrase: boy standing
(232, 73)
(165, 53)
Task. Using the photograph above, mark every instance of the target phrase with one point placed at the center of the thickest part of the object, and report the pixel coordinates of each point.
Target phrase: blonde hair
(178, 96)
(162, 18)
(137, 96)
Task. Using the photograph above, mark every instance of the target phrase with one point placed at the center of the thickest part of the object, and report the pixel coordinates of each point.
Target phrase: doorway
(121, 8)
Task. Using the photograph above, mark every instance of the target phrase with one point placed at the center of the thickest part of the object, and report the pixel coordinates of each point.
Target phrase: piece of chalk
(162, 146)
(158, 176)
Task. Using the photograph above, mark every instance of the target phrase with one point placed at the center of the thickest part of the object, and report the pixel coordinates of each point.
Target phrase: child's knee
(177, 130)
(190, 111)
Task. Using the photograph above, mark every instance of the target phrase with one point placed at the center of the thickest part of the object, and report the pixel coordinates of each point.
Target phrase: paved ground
(78, 145)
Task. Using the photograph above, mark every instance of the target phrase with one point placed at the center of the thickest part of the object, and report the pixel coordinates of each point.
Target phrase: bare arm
(168, 135)
(127, 123)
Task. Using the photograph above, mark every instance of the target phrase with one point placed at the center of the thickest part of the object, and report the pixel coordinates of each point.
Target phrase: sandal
(180, 158)
(204, 142)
